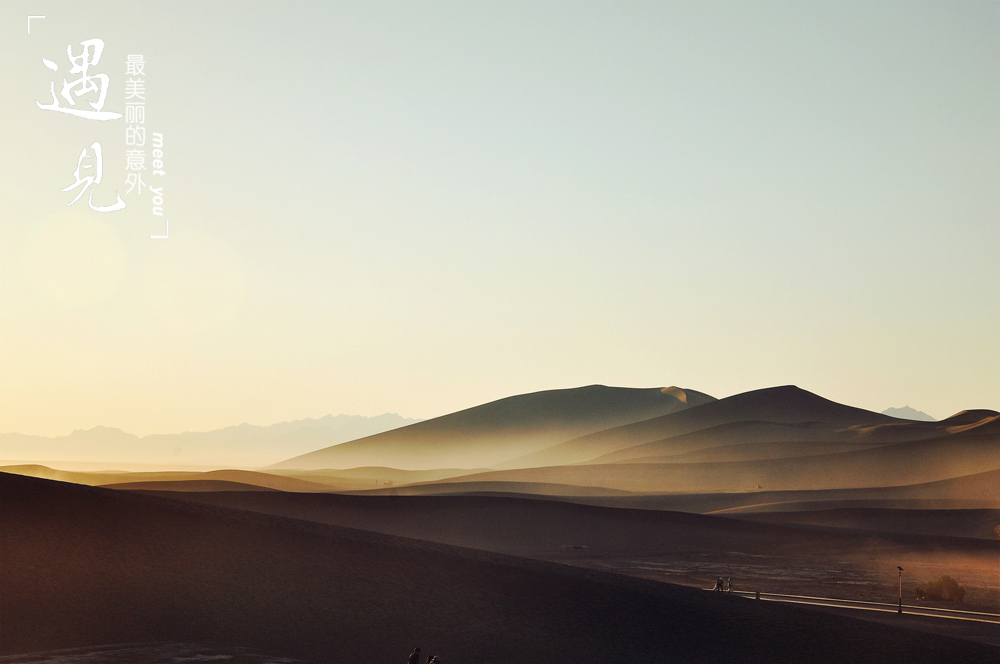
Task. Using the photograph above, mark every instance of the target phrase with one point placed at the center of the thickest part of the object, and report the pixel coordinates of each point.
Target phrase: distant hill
(907, 413)
(489, 434)
(246, 445)
(955, 451)
(764, 440)
(783, 405)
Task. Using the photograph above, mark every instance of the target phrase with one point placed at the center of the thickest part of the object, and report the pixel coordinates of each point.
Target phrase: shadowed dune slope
(551, 529)
(369, 475)
(890, 465)
(977, 491)
(973, 417)
(750, 452)
(494, 432)
(792, 439)
(770, 440)
(176, 478)
(514, 488)
(187, 485)
(44, 472)
(263, 480)
(86, 566)
(775, 405)
(979, 524)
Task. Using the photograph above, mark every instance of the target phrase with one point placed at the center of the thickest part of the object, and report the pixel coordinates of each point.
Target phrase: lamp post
(900, 588)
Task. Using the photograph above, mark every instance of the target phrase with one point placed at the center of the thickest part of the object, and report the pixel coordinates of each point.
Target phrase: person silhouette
(414, 657)
(718, 585)
(730, 584)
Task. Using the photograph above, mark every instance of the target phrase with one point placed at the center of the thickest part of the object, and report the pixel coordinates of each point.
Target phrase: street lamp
(900, 588)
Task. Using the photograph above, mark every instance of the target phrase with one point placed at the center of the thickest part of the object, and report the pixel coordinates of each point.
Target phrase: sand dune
(536, 527)
(177, 479)
(187, 485)
(90, 479)
(796, 439)
(976, 491)
(514, 488)
(372, 475)
(89, 566)
(979, 523)
(759, 452)
(495, 432)
(890, 465)
(265, 480)
(810, 558)
(978, 417)
(776, 405)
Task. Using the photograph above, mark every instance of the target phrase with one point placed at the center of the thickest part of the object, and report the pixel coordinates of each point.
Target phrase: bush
(944, 587)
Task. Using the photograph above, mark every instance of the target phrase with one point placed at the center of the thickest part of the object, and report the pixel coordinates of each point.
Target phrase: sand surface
(86, 566)
(683, 548)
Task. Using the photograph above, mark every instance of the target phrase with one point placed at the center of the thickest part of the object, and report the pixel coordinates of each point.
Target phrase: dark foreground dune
(88, 566)
(820, 559)
(552, 529)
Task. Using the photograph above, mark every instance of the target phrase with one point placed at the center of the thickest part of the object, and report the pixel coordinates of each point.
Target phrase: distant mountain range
(245, 445)
(907, 413)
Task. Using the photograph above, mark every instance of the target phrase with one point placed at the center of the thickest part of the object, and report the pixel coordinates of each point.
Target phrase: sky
(417, 207)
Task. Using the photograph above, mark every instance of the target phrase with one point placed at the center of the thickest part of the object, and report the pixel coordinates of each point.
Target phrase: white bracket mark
(29, 22)
(165, 233)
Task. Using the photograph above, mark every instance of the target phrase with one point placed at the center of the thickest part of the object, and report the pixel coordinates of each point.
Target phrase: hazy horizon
(417, 208)
(228, 426)
(889, 410)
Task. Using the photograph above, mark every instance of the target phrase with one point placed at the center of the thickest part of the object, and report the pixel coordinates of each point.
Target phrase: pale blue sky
(417, 207)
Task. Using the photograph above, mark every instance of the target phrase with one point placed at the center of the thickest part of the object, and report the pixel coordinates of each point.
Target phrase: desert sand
(554, 526)
(86, 566)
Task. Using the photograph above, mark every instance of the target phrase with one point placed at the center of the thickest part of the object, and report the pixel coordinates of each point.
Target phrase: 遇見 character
(86, 84)
(96, 172)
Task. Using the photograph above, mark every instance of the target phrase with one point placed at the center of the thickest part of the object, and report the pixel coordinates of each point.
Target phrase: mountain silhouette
(245, 445)
(907, 413)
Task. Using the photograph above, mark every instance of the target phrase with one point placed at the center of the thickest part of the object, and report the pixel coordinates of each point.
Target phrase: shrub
(944, 587)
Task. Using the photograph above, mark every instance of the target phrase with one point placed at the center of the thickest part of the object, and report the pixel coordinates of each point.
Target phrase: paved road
(952, 614)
